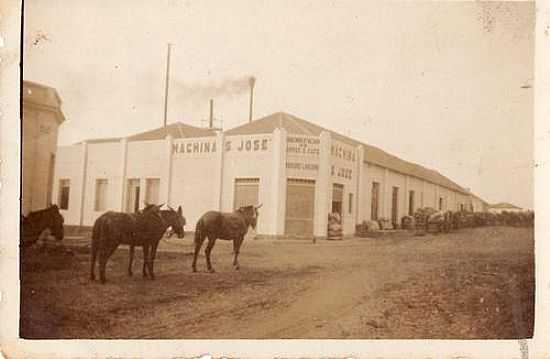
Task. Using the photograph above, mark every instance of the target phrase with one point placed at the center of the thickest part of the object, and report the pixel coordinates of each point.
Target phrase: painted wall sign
(302, 166)
(231, 145)
(302, 145)
(247, 145)
(194, 147)
(343, 152)
(341, 172)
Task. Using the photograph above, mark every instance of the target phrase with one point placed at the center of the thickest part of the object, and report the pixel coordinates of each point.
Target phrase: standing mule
(171, 218)
(35, 223)
(225, 226)
(114, 228)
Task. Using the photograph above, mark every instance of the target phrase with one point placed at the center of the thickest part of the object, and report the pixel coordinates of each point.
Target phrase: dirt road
(475, 283)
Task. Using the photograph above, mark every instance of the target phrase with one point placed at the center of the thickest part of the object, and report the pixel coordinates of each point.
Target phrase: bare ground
(474, 283)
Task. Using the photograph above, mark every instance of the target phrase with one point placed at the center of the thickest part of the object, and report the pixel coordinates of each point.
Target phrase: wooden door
(300, 207)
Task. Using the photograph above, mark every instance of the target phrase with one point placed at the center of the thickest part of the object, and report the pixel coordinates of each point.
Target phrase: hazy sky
(439, 84)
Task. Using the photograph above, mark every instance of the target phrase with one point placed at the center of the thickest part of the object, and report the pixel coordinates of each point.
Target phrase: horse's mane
(38, 214)
(245, 208)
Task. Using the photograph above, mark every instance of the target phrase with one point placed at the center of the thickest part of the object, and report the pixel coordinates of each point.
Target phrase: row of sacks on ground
(429, 219)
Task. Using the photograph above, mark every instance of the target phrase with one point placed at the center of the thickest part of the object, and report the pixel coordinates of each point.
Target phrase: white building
(299, 172)
(504, 207)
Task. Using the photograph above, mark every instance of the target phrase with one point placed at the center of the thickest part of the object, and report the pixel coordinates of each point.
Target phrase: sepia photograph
(277, 170)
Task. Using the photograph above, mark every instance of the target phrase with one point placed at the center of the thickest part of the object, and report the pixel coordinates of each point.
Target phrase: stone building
(42, 116)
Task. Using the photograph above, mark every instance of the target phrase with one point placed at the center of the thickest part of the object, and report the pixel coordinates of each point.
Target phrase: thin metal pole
(166, 85)
(251, 82)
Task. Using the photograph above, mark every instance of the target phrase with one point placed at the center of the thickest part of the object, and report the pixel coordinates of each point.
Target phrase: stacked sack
(407, 222)
(335, 230)
(366, 227)
(421, 216)
(385, 224)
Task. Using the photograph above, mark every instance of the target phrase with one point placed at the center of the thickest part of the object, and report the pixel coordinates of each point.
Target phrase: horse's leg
(236, 248)
(152, 256)
(105, 252)
(211, 242)
(198, 244)
(131, 260)
(145, 248)
(151, 262)
(147, 260)
(93, 259)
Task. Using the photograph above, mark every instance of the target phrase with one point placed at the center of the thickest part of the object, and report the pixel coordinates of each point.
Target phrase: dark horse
(173, 219)
(114, 228)
(225, 226)
(35, 223)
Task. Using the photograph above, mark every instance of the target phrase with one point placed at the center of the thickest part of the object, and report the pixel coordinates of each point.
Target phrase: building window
(64, 189)
(411, 203)
(246, 192)
(337, 198)
(100, 195)
(440, 203)
(51, 169)
(132, 195)
(395, 206)
(375, 201)
(461, 207)
(152, 189)
(350, 203)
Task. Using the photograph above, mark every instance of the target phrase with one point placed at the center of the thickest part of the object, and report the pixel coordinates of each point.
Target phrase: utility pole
(251, 82)
(166, 84)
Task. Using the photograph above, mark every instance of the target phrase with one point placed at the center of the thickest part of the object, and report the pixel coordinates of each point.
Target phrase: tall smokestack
(211, 119)
(252, 82)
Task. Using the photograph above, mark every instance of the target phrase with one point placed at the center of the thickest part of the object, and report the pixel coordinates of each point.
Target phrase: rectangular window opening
(375, 200)
(64, 191)
(152, 190)
(100, 195)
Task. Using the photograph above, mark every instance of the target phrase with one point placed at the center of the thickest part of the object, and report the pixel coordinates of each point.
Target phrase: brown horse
(35, 223)
(114, 228)
(225, 226)
(173, 219)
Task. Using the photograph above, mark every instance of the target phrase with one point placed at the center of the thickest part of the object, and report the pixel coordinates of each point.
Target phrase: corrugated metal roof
(298, 126)
(373, 155)
(176, 130)
(503, 205)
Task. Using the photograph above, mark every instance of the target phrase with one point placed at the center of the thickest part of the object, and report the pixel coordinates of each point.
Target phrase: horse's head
(176, 220)
(251, 214)
(56, 222)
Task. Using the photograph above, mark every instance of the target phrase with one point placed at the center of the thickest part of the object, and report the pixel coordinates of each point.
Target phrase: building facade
(504, 207)
(299, 171)
(42, 116)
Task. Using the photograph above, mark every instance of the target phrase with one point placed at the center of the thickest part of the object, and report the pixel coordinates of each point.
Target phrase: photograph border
(13, 347)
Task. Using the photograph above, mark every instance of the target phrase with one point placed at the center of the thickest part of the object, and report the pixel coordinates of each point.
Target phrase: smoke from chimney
(227, 87)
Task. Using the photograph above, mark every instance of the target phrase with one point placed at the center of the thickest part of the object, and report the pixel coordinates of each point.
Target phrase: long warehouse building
(299, 171)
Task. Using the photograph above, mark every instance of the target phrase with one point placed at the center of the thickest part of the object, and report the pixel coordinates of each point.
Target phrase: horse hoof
(237, 267)
(211, 270)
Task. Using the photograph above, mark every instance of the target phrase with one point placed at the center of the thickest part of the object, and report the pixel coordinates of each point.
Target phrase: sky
(442, 84)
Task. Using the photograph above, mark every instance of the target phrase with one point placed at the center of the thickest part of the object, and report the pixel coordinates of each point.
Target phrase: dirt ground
(473, 283)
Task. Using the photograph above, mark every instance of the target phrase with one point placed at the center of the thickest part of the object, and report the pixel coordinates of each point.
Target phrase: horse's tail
(198, 229)
(96, 229)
